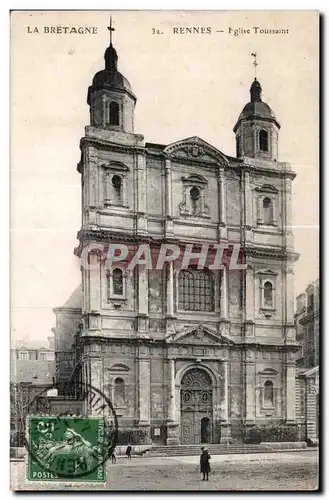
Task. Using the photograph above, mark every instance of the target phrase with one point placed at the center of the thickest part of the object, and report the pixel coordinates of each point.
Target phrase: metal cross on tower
(255, 63)
(110, 28)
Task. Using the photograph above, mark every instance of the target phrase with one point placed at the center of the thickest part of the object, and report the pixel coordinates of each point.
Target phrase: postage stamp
(67, 448)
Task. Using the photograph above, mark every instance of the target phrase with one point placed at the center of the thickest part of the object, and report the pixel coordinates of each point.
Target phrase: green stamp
(67, 449)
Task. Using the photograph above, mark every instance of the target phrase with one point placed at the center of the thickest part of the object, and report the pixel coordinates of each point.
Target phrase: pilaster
(94, 373)
(224, 294)
(249, 387)
(90, 173)
(144, 380)
(94, 294)
(172, 425)
(290, 392)
(222, 228)
(141, 193)
(248, 204)
(224, 410)
(142, 317)
(169, 227)
(170, 289)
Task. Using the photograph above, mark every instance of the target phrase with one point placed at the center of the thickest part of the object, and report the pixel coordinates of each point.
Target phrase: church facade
(192, 354)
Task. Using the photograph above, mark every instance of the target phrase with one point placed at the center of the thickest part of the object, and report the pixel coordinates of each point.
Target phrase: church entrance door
(196, 407)
(205, 430)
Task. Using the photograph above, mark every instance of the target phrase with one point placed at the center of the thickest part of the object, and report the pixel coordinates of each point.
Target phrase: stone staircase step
(221, 449)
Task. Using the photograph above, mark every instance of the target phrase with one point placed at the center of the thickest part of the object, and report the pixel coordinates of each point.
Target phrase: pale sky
(186, 85)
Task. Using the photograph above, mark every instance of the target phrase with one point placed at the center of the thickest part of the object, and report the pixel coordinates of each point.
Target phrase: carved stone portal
(196, 407)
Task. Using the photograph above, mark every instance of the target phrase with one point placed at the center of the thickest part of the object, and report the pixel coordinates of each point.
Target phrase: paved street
(263, 471)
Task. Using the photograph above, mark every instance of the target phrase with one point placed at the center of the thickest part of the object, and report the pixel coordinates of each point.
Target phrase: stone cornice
(232, 163)
(271, 252)
(72, 310)
(99, 90)
(111, 146)
(151, 342)
(107, 235)
(269, 171)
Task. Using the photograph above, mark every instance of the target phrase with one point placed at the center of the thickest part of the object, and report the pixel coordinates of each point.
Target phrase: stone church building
(188, 355)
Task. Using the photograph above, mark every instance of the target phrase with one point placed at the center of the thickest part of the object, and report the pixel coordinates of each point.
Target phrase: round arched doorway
(196, 407)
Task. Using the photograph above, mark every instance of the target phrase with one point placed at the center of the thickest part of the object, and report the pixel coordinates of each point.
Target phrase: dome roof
(113, 79)
(75, 299)
(258, 108)
(109, 77)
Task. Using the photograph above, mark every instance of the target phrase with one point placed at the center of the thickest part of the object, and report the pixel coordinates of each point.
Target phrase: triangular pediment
(119, 367)
(267, 188)
(267, 272)
(194, 148)
(199, 335)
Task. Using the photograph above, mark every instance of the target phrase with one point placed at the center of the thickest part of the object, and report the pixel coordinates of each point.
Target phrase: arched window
(119, 391)
(117, 277)
(117, 189)
(268, 294)
(195, 200)
(114, 113)
(268, 393)
(263, 140)
(195, 290)
(267, 210)
(115, 285)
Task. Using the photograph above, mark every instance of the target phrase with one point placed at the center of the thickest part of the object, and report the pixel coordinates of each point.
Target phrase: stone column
(172, 426)
(249, 387)
(169, 228)
(223, 294)
(224, 411)
(290, 393)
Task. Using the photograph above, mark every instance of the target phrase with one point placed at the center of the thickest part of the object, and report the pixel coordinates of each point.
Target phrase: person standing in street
(128, 452)
(205, 464)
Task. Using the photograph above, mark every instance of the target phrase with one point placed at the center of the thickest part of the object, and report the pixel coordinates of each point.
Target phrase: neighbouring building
(188, 355)
(33, 362)
(307, 320)
(32, 371)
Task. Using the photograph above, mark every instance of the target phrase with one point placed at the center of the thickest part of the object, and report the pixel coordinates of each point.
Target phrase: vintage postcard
(164, 250)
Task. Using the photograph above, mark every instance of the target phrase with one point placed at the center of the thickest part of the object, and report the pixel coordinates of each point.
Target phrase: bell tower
(110, 97)
(257, 129)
